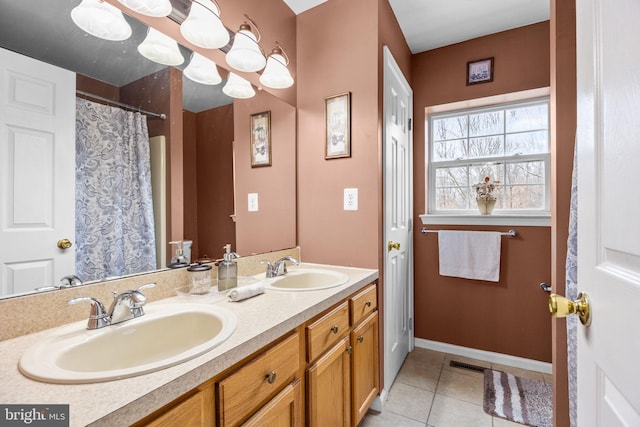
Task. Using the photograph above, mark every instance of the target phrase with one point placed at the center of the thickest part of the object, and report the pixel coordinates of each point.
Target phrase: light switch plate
(350, 199)
(253, 202)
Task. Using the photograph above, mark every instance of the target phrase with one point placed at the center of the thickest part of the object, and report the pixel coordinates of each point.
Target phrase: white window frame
(540, 217)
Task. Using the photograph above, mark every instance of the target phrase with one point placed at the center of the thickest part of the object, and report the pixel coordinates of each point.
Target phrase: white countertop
(261, 320)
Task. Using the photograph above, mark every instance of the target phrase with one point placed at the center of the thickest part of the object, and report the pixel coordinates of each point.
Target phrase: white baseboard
(487, 356)
(378, 402)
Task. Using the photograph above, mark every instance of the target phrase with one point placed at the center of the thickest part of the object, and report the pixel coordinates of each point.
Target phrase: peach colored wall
(215, 181)
(96, 87)
(563, 120)
(274, 224)
(338, 53)
(510, 316)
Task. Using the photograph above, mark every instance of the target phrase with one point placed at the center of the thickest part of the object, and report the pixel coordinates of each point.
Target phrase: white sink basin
(168, 334)
(307, 279)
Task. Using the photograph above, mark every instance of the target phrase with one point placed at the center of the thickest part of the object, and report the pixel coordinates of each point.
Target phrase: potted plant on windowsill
(485, 198)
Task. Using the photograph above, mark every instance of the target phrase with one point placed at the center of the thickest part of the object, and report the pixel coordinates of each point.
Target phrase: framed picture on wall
(480, 71)
(261, 139)
(337, 116)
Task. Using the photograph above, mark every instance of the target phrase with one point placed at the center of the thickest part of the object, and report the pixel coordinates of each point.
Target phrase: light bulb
(203, 26)
(102, 20)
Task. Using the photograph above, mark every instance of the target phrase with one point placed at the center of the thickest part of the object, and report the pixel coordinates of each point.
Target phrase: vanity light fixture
(245, 54)
(160, 48)
(203, 26)
(156, 8)
(101, 19)
(202, 70)
(237, 87)
(276, 75)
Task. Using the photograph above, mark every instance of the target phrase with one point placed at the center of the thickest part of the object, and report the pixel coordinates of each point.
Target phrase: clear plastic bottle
(228, 270)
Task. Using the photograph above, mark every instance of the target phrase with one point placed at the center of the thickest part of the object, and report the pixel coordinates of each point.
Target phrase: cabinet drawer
(364, 303)
(325, 331)
(242, 392)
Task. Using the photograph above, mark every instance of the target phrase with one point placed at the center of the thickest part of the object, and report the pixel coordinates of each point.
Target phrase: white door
(37, 173)
(398, 207)
(609, 211)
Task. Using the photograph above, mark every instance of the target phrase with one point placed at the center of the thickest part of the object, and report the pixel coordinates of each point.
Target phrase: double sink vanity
(303, 353)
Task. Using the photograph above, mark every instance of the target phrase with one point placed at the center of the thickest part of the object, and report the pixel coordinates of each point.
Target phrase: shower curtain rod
(120, 104)
(510, 233)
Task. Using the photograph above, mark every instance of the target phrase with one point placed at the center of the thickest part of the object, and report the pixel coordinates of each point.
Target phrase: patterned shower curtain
(572, 294)
(114, 207)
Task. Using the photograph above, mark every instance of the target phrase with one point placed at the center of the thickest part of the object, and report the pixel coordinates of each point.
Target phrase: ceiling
(429, 24)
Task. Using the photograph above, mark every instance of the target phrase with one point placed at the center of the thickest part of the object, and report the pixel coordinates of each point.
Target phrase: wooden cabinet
(194, 411)
(284, 410)
(328, 387)
(249, 387)
(275, 387)
(344, 380)
(325, 331)
(364, 379)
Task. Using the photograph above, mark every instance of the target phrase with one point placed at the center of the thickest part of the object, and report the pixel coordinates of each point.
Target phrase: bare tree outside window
(509, 143)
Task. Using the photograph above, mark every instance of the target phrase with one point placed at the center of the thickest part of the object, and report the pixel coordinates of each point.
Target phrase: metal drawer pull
(271, 377)
(360, 338)
(368, 303)
(334, 329)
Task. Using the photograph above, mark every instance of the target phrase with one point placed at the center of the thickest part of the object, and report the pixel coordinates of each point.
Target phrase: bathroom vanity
(295, 358)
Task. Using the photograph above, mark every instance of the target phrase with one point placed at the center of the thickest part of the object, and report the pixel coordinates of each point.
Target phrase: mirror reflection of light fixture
(276, 75)
(202, 70)
(157, 8)
(245, 54)
(160, 48)
(101, 19)
(237, 87)
(203, 26)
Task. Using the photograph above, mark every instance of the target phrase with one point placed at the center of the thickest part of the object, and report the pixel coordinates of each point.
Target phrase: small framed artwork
(261, 139)
(337, 115)
(480, 71)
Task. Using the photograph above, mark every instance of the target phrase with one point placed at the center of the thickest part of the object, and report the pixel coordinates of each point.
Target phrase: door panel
(398, 283)
(608, 229)
(37, 172)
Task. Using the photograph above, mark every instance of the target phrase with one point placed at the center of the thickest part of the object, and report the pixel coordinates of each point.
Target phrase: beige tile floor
(429, 392)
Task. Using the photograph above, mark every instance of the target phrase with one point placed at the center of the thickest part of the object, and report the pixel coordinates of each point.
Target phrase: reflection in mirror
(197, 168)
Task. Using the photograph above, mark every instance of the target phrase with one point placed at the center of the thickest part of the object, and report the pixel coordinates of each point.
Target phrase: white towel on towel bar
(470, 254)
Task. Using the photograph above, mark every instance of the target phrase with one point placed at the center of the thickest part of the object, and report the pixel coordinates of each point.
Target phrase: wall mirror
(213, 181)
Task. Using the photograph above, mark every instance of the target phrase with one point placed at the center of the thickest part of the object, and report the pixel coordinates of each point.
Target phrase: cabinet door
(246, 389)
(329, 394)
(196, 411)
(284, 410)
(364, 339)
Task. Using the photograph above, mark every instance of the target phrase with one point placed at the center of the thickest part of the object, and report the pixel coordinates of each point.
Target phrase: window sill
(533, 220)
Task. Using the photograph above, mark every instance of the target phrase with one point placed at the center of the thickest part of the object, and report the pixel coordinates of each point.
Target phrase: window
(508, 143)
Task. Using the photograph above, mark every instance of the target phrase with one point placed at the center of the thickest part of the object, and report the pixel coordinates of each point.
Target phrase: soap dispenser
(228, 270)
(178, 260)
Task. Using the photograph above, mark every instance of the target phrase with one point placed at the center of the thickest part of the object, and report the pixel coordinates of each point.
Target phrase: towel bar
(510, 233)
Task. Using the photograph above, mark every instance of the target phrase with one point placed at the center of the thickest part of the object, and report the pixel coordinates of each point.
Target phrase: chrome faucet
(125, 306)
(70, 281)
(65, 282)
(279, 268)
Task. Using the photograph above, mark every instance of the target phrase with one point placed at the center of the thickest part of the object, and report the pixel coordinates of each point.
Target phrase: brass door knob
(392, 245)
(560, 306)
(64, 244)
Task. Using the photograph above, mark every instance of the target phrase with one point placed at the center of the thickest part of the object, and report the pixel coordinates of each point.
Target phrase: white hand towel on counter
(243, 292)
(470, 254)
